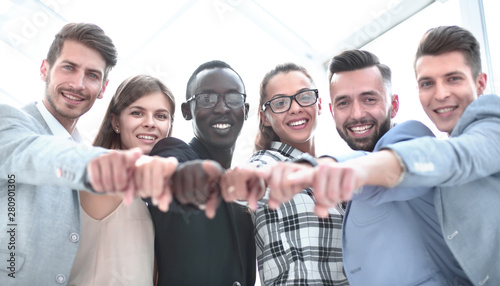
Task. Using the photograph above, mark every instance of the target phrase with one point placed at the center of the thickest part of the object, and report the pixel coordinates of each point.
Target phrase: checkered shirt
(294, 246)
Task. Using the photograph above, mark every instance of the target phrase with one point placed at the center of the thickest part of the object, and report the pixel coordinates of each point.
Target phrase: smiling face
(144, 122)
(219, 126)
(73, 82)
(361, 108)
(296, 126)
(446, 87)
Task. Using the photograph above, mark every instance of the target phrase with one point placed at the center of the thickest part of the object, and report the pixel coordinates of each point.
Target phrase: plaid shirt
(294, 246)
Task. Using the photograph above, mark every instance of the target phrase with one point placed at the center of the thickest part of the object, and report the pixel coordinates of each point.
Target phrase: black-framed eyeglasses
(209, 100)
(283, 103)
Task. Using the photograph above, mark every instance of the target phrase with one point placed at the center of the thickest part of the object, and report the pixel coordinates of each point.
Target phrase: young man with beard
(42, 167)
(190, 248)
(390, 237)
(463, 170)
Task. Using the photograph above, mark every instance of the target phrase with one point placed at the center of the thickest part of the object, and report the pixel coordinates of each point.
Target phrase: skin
(446, 87)
(244, 183)
(147, 116)
(296, 126)
(218, 127)
(73, 82)
(196, 182)
(145, 122)
(361, 107)
(362, 111)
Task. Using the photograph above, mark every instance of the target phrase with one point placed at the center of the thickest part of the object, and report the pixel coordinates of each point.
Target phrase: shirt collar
(55, 126)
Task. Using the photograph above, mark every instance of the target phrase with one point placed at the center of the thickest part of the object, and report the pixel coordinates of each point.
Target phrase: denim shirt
(392, 236)
(466, 171)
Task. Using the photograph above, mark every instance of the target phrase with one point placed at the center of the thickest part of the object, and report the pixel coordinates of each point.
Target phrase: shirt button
(236, 283)
(74, 237)
(60, 278)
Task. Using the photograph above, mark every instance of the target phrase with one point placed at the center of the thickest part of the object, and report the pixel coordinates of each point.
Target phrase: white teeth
(297, 123)
(444, 110)
(360, 129)
(72, 97)
(147, 137)
(221, 126)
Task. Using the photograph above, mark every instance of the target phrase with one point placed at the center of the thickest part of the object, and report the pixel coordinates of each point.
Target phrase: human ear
(264, 119)
(115, 122)
(247, 108)
(44, 69)
(394, 105)
(481, 83)
(186, 111)
(103, 89)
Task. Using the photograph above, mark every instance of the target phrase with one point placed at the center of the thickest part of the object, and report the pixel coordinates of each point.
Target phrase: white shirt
(55, 126)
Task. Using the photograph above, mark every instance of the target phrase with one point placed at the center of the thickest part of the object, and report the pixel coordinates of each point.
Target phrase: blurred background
(170, 39)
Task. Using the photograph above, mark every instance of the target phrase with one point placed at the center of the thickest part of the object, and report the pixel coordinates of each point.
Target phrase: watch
(306, 158)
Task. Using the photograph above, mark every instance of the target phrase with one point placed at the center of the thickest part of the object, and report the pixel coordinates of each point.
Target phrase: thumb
(212, 169)
(211, 205)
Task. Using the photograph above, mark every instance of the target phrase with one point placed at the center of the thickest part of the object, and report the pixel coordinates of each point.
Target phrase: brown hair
(351, 60)
(89, 35)
(444, 39)
(266, 135)
(128, 92)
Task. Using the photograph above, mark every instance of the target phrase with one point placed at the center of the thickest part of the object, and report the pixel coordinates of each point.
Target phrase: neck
(68, 123)
(222, 155)
(306, 147)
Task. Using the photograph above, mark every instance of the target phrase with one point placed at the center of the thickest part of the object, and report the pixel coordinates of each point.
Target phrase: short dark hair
(266, 135)
(351, 60)
(89, 35)
(444, 39)
(206, 66)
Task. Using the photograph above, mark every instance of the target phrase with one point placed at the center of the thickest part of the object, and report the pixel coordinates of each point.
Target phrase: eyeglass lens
(282, 104)
(209, 100)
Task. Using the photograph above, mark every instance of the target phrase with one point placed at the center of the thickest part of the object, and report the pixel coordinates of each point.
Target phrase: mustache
(74, 91)
(360, 122)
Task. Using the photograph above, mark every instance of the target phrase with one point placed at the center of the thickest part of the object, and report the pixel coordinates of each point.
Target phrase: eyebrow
(445, 75)
(76, 65)
(204, 91)
(364, 93)
(142, 108)
(298, 91)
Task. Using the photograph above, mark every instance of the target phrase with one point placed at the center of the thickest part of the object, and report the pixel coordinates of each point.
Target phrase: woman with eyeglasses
(294, 246)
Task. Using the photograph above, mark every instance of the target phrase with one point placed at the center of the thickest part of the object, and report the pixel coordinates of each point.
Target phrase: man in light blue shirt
(464, 170)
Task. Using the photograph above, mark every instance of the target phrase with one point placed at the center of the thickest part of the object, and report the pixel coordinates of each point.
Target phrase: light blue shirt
(392, 236)
(466, 169)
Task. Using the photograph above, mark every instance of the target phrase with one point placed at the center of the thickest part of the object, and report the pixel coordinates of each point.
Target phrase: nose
(221, 106)
(78, 80)
(441, 91)
(295, 106)
(149, 121)
(358, 111)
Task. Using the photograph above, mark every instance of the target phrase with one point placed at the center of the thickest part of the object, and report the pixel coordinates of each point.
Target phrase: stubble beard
(367, 143)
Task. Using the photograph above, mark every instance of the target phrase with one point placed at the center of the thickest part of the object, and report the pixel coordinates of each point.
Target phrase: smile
(71, 97)
(221, 126)
(146, 137)
(444, 110)
(297, 123)
(360, 129)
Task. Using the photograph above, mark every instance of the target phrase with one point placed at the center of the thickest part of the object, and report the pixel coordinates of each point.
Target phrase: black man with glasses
(218, 248)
